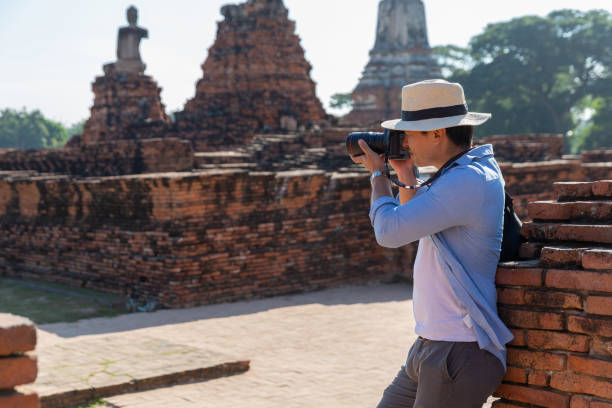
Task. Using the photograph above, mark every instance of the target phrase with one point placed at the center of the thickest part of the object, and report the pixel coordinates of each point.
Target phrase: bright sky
(50, 51)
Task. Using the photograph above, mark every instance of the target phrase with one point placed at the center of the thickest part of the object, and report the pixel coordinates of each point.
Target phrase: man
(459, 358)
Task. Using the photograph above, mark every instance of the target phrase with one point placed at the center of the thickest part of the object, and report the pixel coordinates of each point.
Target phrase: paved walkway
(334, 348)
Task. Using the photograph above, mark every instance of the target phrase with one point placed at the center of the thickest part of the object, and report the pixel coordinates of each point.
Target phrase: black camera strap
(430, 180)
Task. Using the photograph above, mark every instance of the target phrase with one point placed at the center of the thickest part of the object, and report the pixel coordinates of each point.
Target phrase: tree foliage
(30, 130)
(341, 101)
(535, 73)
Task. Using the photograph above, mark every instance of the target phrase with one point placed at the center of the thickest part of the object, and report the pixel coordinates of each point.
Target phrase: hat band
(434, 113)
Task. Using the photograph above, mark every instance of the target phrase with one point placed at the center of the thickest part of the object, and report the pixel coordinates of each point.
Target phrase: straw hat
(434, 104)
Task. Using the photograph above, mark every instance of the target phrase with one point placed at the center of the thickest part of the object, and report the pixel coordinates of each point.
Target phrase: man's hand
(370, 160)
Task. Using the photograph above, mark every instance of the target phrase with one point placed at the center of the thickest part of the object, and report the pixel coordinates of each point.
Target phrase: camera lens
(376, 141)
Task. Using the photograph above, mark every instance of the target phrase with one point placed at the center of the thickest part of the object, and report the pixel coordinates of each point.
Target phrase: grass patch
(44, 302)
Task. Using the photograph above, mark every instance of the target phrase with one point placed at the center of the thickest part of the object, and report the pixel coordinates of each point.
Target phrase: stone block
(579, 280)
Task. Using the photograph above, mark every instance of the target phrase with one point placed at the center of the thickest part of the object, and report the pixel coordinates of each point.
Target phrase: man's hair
(461, 135)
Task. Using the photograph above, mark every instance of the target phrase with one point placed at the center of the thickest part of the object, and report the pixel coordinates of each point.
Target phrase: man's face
(421, 145)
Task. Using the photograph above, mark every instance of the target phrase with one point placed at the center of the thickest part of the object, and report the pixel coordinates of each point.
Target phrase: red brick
(538, 378)
(599, 305)
(519, 277)
(591, 366)
(592, 210)
(582, 384)
(549, 340)
(17, 334)
(530, 395)
(601, 347)
(17, 371)
(581, 280)
(505, 404)
(519, 337)
(580, 401)
(532, 320)
(549, 210)
(598, 259)
(19, 399)
(550, 299)
(516, 374)
(559, 256)
(600, 404)
(573, 189)
(537, 360)
(590, 325)
(567, 232)
(602, 188)
(510, 296)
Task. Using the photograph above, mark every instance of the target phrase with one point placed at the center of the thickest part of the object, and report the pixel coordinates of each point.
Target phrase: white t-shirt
(438, 313)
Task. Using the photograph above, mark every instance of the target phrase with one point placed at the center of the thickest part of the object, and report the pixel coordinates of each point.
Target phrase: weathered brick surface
(17, 334)
(575, 293)
(590, 325)
(105, 158)
(539, 231)
(17, 370)
(591, 366)
(255, 77)
(537, 396)
(550, 340)
(600, 259)
(126, 106)
(19, 399)
(524, 277)
(580, 383)
(194, 238)
(537, 360)
(599, 305)
(526, 148)
(531, 319)
(579, 280)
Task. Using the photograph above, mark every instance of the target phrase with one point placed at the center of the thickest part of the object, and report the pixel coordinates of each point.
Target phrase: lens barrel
(377, 142)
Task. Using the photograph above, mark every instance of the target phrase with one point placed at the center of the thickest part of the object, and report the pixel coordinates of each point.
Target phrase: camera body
(388, 143)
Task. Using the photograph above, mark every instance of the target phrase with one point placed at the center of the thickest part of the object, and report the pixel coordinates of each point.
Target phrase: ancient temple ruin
(401, 55)
(249, 192)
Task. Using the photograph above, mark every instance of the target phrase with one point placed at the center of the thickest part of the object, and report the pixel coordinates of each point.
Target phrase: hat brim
(469, 119)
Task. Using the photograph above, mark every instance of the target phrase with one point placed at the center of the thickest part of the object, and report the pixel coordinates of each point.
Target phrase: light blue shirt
(462, 214)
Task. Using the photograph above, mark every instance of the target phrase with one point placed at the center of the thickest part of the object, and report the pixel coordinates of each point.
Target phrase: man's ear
(438, 134)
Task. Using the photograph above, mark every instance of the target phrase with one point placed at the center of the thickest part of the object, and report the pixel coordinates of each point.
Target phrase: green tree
(532, 72)
(30, 130)
(341, 101)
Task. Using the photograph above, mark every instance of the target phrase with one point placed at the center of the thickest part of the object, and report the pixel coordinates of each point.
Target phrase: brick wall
(525, 148)
(559, 306)
(185, 239)
(17, 365)
(105, 158)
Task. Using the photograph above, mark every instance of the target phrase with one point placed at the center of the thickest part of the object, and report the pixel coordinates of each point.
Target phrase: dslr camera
(388, 143)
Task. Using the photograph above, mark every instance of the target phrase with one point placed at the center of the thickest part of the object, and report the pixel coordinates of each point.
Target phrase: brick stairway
(558, 303)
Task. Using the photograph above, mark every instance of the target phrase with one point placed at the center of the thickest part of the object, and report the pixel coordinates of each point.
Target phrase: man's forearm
(409, 179)
(381, 187)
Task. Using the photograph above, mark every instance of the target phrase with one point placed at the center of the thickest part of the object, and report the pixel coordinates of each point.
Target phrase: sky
(52, 50)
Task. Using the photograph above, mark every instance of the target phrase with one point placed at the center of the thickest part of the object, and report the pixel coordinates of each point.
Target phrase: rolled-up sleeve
(452, 201)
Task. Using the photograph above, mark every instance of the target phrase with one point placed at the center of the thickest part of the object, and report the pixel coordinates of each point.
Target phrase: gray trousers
(444, 374)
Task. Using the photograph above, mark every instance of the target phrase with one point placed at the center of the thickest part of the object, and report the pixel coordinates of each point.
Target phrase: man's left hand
(370, 160)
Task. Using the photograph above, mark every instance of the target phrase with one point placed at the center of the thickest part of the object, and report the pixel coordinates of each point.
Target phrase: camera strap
(437, 174)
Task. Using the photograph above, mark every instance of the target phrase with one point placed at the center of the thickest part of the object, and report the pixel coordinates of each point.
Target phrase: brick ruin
(559, 306)
(401, 55)
(168, 220)
(18, 366)
(224, 204)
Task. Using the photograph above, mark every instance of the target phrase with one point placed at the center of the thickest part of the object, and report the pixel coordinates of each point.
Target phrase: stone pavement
(334, 348)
